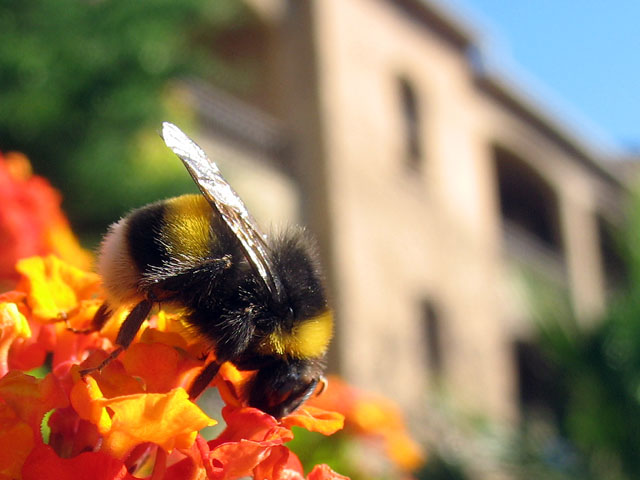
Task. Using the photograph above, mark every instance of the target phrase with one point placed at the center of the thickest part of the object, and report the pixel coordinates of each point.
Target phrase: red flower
(31, 220)
(25, 400)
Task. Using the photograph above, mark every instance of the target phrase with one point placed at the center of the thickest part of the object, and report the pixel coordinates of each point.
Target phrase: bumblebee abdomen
(150, 238)
(187, 226)
(308, 339)
(119, 272)
(177, 227)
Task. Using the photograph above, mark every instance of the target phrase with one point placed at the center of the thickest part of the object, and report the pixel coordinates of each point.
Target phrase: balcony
(524, 248)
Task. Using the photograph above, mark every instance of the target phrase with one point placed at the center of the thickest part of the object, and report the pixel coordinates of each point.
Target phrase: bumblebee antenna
(228, 204)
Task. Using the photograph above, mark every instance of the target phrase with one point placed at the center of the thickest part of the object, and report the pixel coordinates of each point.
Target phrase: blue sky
(579, 57)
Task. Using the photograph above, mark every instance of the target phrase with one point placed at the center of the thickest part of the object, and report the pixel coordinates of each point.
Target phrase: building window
(540, 394)
(613, 262)
(432, 329)
(411, 124)
(528, 205)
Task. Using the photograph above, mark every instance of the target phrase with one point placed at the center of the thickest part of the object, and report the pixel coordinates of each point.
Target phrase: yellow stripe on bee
(308, 339)
(187, 225)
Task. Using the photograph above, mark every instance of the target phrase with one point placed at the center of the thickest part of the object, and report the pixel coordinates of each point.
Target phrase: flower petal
(29, 353)
(87, 399)
(276, 465)
(44, 464)
(315, 419)
(169, 420)
(324, 472)
(160, 366)
(13, 326)
(16, 442)
(230, 382)
(54, 288)
(113, 379)
(251, 424)
(13, 296)
(237, 459)
(404, 451)
(30, 398)
(71, 435)
(185, 469)
(11, 318)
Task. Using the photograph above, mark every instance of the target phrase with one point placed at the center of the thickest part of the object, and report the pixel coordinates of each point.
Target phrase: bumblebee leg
(101, 316)
(103, 364)
(203, 379)
(99, 319)
(126, 334)
(132, 323)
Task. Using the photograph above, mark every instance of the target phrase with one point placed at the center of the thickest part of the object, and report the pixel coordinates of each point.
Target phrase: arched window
(528, 205)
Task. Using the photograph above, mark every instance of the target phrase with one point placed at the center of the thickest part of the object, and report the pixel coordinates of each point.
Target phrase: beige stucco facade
(397, 238)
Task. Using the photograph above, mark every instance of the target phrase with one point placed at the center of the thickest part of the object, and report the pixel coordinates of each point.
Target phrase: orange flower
(251, 438)
(315, 419)
(31, 220)
(230, 381)
(31, 398)
(374, 417)
(169, 420)
(252, 443)
(134, 415)
(13, 325)
(323, 472)
(55, 289)
(25, 400)
(45, 464)
(16, 442)
(160, 366)
(71, 435)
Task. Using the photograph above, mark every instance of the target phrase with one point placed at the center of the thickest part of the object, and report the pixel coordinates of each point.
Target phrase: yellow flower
(13, 325)
(170, 420)
(54, 288)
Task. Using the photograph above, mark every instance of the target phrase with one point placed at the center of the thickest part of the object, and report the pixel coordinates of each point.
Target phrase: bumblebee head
(281, 387)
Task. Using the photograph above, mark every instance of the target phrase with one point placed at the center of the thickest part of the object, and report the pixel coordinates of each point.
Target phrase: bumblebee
(260, 300)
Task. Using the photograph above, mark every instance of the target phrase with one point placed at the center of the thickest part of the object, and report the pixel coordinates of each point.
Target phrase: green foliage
(598, 367)
(80, 79)
(438, 468)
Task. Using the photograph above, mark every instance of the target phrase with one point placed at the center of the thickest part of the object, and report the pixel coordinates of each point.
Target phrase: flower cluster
(31, 220)
(374, 420)
(132, 419)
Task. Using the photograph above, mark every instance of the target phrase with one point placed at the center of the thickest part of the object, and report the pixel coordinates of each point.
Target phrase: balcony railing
(238, 120)
(523, 247)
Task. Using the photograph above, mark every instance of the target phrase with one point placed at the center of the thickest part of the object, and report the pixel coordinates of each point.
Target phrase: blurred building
(437, 191)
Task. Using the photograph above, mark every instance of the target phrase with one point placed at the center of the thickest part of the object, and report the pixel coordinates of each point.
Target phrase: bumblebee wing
(227, 203)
